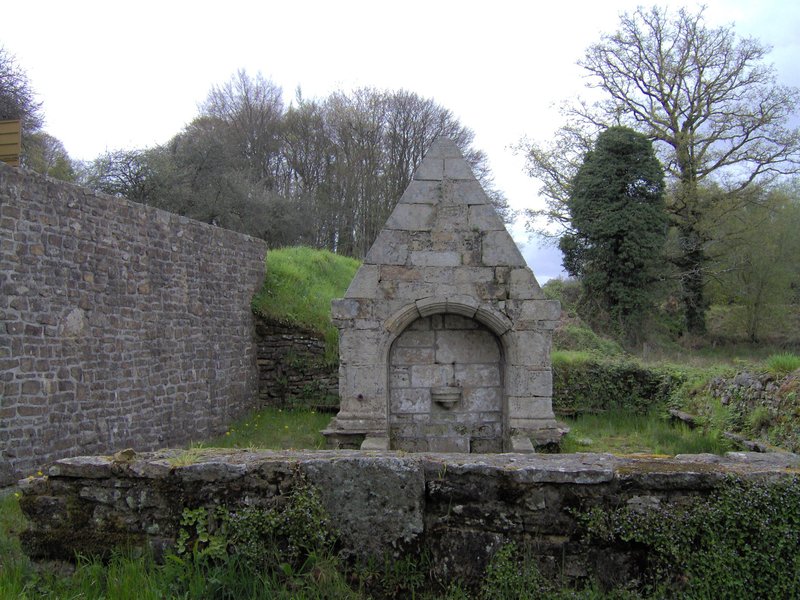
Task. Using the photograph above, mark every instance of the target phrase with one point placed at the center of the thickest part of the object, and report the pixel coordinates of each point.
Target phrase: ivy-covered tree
(619, 228)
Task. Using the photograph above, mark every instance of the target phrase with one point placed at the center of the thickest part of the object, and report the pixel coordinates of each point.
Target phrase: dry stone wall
(292, 370)
(120, 324)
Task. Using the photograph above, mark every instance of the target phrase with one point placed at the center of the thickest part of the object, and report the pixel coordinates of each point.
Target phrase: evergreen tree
(619, 229)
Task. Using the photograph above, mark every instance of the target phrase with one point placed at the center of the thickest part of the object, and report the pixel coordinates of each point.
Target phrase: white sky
(115, 75)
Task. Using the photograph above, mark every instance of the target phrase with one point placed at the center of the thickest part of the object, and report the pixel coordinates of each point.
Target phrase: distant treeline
(321, 172)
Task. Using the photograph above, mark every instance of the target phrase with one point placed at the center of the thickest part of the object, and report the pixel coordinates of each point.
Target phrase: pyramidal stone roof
(445, 221)
(443, 251)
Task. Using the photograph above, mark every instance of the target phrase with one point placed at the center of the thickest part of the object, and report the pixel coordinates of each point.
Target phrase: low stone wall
(764, 406)
(120, 324)
(291, 366)
(459, 507)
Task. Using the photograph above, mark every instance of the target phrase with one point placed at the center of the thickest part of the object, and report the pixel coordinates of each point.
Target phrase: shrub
(566, 291)
(582, 339)
(259, 538)
(583, 383)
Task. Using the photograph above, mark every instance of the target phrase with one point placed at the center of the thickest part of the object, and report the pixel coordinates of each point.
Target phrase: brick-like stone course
(120, 324)
(443, 352)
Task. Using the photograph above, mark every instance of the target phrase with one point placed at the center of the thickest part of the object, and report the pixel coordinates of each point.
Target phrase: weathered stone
(527, 381)
(411, 217)
(531, 348)
(389, 491)
(459, 508)
(411, 400)
(434, 259)
(447, 267)
(457, 168)
(499, 249)
(484, 217)
(466, 347)
(390, 248)
(365, 283)
(422, 192)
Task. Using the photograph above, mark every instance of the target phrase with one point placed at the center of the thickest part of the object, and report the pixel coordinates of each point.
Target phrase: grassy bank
(627, 432)
(299, 286)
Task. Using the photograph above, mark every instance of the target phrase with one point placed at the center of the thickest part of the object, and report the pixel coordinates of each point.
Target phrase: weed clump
(783, 363)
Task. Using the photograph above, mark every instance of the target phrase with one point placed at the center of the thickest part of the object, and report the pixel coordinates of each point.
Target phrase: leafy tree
(709, 102)
(46, 154)
(619, 227)
(757, 267)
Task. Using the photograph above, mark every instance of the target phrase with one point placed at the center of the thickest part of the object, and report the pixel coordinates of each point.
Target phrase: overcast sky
(116, 75)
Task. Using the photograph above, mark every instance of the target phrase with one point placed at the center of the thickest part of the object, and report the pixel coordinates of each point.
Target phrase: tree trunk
(694, 300)
(693, 258)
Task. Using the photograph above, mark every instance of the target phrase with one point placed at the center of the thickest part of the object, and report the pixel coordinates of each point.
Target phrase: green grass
(581, 338)
(14, 565)
(623, 432)
(274, 429)
(783, 363)
(299, 286)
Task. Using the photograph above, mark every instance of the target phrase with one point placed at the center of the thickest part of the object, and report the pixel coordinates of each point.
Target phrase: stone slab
(422, 192)
(390, 491)
(390, 248)
(499, 249)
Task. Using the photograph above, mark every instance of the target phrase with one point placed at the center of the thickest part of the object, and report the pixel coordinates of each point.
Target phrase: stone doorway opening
(446, 387)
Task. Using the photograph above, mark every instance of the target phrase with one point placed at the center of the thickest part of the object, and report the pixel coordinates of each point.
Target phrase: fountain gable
(444, 332)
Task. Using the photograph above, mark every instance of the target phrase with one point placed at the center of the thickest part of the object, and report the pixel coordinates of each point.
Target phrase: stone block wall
(446, 387)
(459, 507)
(120, 324)
(291, 366)
(444, 252)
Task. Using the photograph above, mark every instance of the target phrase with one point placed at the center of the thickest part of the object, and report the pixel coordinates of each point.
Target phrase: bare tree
(17, 98)
(709, 102)
(46, 154)
(124, 173)
(252, 109)
(353, 154)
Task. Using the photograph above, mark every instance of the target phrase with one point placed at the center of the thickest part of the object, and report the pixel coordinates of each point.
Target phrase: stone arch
(465, 306)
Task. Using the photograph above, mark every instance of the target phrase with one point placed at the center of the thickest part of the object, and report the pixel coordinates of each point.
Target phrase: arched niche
(445, 383)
